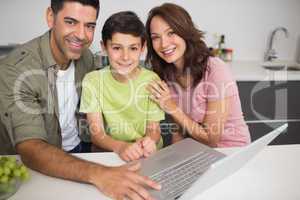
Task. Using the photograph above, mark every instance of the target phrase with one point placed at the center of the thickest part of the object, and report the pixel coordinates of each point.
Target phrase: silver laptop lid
(173, 155)
(230, 164)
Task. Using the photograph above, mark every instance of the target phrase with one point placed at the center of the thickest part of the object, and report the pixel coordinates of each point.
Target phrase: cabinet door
(294, 100)
(291, 136)
(264, 100)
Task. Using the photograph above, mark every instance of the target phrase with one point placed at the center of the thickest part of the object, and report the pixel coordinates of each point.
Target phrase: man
(37, 115)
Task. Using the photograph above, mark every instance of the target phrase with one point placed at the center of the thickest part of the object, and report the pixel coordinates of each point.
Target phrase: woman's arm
(210, 131)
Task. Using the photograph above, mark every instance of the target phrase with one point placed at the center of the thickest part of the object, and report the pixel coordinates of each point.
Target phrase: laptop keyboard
(178, 178)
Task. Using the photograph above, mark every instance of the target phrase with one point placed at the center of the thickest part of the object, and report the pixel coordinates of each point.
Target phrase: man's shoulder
(24, 55)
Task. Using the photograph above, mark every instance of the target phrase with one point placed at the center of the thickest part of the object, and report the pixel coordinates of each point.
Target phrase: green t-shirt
(125, 107)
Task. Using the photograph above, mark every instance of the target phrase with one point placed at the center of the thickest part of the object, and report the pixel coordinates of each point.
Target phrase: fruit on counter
(11, 172)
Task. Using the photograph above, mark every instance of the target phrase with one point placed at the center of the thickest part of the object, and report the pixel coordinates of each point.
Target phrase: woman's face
(166, 43)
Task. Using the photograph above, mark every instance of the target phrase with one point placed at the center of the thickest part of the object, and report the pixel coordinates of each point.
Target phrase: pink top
(217, 83)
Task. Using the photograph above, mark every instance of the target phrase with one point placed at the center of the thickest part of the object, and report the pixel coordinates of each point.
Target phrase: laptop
(188, 168)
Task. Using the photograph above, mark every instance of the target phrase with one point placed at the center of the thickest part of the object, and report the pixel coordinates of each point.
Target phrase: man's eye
(91, 27)
(69, 22)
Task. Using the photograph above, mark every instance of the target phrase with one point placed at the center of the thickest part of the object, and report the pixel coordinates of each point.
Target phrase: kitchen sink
(281, 65)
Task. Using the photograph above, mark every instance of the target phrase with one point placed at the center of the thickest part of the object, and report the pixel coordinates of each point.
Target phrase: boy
(116, 97)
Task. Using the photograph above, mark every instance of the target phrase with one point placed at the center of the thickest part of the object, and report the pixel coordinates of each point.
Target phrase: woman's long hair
(196, 54)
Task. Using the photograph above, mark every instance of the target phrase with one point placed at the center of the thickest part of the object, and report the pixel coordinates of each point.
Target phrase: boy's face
(124, 51)
(73, 30)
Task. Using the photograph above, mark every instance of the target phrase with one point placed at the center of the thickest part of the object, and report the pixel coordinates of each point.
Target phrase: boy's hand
(129, 152)
(148, 145)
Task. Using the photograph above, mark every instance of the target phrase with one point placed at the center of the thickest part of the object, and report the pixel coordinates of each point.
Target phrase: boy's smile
(124, 51)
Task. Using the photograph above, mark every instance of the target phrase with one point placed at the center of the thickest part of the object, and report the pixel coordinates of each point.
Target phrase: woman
(198, 91)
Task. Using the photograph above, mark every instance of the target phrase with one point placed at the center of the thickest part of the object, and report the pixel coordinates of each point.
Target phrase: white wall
(246, 23)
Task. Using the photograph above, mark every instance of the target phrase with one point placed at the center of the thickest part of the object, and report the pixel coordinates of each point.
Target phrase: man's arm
(116, 182)
(53, 161)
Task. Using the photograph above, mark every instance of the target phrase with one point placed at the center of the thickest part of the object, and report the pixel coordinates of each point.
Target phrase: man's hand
(148, 145)
(124, 183)
(116, 182)
(130, 151)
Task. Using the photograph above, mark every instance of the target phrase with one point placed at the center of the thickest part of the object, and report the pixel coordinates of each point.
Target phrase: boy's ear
(103, 46)
(144, 46)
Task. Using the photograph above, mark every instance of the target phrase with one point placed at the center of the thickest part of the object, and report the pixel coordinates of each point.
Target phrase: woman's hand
(160, 93)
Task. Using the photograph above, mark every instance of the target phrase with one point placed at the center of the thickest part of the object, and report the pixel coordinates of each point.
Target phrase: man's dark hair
(126, 22)
(57, 5)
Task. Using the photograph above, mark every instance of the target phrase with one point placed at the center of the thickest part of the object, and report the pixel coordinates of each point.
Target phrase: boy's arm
(126, 151)
(151, 139)
(98, 135)
(153, 131)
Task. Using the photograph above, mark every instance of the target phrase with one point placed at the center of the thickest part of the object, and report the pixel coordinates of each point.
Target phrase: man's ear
(50, 17)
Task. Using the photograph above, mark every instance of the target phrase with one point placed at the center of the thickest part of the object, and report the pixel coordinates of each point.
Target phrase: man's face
(73, 30)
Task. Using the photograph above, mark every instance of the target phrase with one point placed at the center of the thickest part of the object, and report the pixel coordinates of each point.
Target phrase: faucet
(271, 53)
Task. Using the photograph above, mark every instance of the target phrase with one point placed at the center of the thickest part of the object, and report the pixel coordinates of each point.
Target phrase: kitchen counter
(266, 176)
(253, 71)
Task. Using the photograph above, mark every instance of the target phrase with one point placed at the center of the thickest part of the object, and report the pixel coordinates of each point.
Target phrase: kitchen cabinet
(269, 104)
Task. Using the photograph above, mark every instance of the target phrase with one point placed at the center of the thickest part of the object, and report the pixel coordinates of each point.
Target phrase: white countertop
(253, 71)
(272, 174)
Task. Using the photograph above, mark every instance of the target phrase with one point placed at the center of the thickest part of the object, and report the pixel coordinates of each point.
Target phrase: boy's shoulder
(97, 73)
(147, 73)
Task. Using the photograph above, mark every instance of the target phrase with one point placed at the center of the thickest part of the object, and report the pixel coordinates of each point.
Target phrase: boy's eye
(134, 48)
(116, 48)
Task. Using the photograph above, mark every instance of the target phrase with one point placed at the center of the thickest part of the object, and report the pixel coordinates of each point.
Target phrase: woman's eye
(171, 33)
(154, 38)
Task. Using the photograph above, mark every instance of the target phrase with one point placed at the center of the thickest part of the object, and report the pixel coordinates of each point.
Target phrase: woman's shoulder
(217, 69)
(216, 63)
